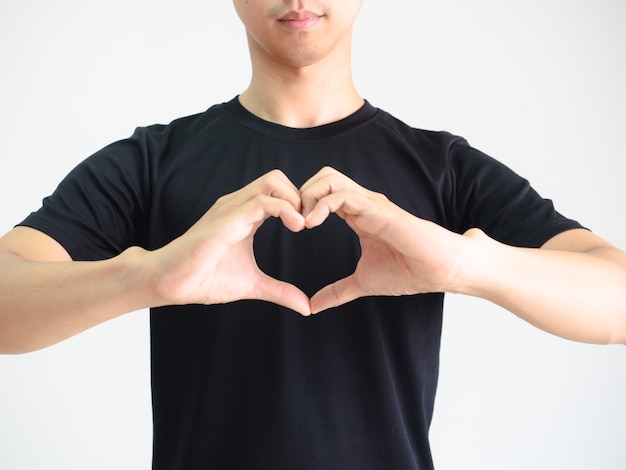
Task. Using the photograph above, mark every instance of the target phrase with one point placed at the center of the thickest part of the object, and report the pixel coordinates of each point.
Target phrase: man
(353, 387)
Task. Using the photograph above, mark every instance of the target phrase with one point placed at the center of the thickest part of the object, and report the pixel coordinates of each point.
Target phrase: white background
(539, 84)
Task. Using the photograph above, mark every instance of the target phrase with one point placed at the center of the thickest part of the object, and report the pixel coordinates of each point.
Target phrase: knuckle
(260, 200)
(274, 176)
(380, 197)
(272, 180)
(222, 200)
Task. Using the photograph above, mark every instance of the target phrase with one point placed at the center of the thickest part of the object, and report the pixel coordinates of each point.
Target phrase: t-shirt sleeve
(490, 196)
(99, 208)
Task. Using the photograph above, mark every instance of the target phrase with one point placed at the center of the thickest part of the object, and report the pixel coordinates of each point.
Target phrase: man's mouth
(299, 20)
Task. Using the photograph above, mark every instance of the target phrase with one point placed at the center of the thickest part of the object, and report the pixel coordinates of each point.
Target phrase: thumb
(282, 293)
(338, 293)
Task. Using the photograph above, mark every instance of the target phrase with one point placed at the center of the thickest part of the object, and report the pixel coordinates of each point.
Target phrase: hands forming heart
(214, 262)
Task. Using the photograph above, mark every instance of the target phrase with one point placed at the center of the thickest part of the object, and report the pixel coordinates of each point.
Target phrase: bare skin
(300, 77)
(574, 287)
(46, 297)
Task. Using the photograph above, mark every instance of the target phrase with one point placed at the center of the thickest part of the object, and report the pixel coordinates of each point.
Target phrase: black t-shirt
(250, 385)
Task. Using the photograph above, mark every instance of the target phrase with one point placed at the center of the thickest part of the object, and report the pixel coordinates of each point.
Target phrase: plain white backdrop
(538, 84)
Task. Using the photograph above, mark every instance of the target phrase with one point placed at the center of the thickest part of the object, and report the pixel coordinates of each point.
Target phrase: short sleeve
(490, 196)
(99, 208)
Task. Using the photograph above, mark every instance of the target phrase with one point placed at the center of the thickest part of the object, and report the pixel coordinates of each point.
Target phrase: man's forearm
(575, 295)
(213, 262)
(46, 302)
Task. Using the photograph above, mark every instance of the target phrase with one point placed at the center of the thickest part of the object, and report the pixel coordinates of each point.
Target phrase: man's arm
(574, 287)
(45, 297)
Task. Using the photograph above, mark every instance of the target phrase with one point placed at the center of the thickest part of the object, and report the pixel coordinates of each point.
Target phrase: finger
(324, 182)
(262, 207)
(332, 203)
(281, 293)
(273, 184)
(276, 184)
(362, 210)
(338, 293)
(232, 224)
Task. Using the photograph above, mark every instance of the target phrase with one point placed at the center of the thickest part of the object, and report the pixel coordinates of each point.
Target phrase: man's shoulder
(187, 123)
(429, 138)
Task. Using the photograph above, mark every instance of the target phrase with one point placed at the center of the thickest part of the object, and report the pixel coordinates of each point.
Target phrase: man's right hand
(45, 297)
(214, 262)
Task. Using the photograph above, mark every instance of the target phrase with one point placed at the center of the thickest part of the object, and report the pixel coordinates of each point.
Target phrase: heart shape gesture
(214, 262)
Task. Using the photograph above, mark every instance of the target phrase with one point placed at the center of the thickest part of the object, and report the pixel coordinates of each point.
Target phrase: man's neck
(302, 97)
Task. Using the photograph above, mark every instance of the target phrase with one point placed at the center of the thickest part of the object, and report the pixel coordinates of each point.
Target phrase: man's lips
(299, 20)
